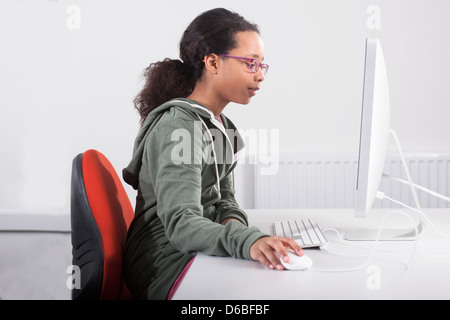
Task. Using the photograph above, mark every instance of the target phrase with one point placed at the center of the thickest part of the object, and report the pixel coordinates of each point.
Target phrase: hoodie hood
(131, 172)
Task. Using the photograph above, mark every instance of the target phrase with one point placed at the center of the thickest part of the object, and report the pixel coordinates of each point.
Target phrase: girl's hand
(264, 250)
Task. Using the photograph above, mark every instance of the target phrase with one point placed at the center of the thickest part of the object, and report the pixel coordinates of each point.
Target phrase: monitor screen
(375, 126)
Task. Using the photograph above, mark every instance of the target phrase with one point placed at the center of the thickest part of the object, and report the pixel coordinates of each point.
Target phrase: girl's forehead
(249, 44)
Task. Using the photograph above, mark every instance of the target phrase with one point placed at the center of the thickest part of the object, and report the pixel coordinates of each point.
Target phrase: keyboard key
(318, 234)
(305, 236)
(305, 232)
(278, 230)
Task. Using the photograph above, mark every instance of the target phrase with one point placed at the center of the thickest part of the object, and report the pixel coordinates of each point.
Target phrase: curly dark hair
(211, 32)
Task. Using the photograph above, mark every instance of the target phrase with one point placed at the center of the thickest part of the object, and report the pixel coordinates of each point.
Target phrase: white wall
(69, 71)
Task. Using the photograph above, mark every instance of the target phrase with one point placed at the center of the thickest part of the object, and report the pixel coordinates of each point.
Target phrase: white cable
(382, 195)
(422, 214)
(375, 248)
(342, 241)
(418, 187)
(412, 187)
(405, 167)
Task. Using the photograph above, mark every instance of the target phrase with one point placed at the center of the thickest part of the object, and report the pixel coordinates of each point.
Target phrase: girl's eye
(253, 65)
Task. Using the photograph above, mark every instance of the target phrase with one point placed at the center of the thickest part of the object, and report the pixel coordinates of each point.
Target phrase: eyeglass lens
(255, 65)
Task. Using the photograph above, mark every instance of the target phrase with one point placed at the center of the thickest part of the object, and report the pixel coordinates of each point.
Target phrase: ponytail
(165, 80)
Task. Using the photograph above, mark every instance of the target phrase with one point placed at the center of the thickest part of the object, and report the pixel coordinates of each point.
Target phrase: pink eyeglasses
(253, 64)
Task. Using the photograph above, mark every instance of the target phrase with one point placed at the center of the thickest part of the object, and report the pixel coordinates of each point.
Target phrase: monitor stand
(386, 234)
(390, 234)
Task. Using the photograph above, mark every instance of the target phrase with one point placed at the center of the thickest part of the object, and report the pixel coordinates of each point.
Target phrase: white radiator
(330, 181)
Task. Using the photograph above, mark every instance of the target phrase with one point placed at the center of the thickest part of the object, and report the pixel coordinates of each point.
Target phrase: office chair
(100, 216)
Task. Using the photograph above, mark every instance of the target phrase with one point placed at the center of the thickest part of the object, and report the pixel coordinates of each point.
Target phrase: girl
(184, 156)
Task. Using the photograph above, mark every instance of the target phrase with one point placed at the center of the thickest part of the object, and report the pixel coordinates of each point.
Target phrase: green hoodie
(185, 190)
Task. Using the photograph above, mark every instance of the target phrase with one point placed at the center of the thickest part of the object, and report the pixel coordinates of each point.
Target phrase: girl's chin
(243, 101)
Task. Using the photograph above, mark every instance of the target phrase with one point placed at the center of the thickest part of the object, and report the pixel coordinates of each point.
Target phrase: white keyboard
(305, 232)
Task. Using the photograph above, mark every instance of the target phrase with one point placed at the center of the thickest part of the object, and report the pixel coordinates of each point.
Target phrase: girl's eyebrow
(254, 55)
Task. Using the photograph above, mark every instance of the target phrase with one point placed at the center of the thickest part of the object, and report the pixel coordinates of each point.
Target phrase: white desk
(384, 277)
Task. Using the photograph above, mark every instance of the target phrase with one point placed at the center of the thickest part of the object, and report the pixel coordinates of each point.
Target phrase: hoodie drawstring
(214, 152)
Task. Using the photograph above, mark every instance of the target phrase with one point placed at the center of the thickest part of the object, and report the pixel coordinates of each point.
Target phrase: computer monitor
(373, 145)
(374, 131)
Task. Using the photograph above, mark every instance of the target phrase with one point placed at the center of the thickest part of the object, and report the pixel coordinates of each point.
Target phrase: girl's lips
(253, 91)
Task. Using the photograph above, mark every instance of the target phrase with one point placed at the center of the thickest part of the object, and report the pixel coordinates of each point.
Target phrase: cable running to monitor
(413, 187)
(419, 187)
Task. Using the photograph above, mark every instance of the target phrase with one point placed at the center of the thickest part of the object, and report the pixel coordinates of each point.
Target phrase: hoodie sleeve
(228, 206)
(178, 190)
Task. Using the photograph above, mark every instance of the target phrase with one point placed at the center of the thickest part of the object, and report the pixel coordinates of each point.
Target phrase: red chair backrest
(113, 213)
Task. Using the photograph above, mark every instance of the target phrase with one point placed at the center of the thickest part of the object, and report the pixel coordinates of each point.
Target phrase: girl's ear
(211, 63)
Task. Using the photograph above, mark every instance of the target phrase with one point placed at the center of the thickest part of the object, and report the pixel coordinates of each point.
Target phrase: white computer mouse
(296, 262)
